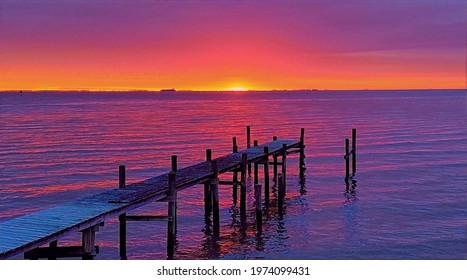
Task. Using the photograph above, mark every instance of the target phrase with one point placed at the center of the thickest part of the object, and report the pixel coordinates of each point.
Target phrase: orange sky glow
(232, 46)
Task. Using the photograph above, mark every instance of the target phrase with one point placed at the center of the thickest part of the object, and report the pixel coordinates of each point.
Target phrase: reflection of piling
(259, 214)
(122, 217)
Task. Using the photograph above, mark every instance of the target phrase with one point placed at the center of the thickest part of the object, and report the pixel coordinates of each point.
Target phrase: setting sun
(237, 89)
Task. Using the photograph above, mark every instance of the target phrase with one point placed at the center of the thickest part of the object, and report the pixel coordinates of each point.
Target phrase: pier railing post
(234, 145)
(259, 212)
(354, 151)
(207, 189)
(266, 175)
(243, 184)
(171, 215)
(284, 165)
(248, 144)
(122, 217)
(347, 159)
(215, 197)
(301, 162)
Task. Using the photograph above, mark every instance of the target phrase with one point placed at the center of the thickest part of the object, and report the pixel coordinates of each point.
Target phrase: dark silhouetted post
(259, 214)
(266, 175)
(274, 138)
(171, 216)
(207, 189)
(301, 161)
(347, 160)
(215, 197)
(255, 144)
(354, 151)
(234, 145)
(122, 217)
(248, 144)
(88, 237)
(280, 192)
(174, 169)
(243, 183)
(284, 165)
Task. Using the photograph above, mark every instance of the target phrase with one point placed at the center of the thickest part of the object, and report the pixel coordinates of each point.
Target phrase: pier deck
(28, 232)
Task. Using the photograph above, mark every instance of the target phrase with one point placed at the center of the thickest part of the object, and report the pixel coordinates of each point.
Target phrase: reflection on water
(410, 200)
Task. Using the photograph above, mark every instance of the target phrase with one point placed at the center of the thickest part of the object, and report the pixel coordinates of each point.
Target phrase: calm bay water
(411, 194)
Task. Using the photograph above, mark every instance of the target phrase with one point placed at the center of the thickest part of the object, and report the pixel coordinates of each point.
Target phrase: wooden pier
(25, 234)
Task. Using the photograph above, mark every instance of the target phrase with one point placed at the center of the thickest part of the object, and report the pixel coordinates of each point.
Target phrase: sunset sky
(354, 44)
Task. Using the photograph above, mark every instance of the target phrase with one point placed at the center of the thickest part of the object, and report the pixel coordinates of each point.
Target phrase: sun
(237, 89)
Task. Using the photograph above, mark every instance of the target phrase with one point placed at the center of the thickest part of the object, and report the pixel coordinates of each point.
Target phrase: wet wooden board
(30, 231)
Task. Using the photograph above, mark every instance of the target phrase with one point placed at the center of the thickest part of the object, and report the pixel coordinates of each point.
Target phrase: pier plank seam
(30, 231)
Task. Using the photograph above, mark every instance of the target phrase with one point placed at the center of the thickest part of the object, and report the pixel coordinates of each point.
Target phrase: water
(410, 200)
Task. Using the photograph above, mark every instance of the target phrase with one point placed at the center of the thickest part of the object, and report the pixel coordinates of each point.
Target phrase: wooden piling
(207, 189)
(274, 138)
(354, 151)
(284, 166)
(280, 192)
(255, 169)
(243, 170)
(248, 144)
(171, 216)
(53, 250)
(88, 237)
(275, 168)
(234, 145)
(259, 212)
(215, 198)
(301, 161)
(347, 159)
(174, 169)
(266, 175)
(122, 217)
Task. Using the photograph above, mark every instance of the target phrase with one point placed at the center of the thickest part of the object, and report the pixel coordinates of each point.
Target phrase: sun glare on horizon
(236, 89)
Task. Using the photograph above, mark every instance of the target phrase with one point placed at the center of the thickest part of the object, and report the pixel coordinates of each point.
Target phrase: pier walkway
(25, 234)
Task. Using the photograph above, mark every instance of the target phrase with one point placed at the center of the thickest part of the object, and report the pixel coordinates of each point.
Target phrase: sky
(219, 45)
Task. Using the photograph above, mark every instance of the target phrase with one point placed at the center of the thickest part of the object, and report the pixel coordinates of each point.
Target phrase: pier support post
(171, 216)
(207, 189)
(301, 161)
(284, 166)
(347, 159)
(88, 239)
(174, 169)
(215, 198)
(122, 217)
(280, 193)
(53, 248)
(259, 212)
(255, 144)
(235, 173)
(266, 175)
(244, 168)
(354, 151)
(248, 144)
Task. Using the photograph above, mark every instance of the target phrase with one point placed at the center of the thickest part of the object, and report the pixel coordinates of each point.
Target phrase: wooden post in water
(347, 159)
(284, 166)
(354, 151)
(301, 161)
(259, 212)
(234, 145)
(53, 250)
(280, 192)
(243, 168)
(122, 217)
(266, 175)
(171, 215)
(174, 169)
(255, 144)
(207, 189)
(88, 237)
(215, 198)
(248, 144)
